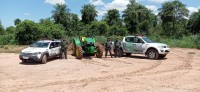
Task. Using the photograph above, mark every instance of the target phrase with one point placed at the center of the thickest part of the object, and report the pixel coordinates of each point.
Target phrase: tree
(17, 21)
(194, 23)
(75, 24)
(173, 19)
(88, 13)
(27, 32)
(113, 17)
(98, 28)
(1, 28)
(61, 15)
(10, 30)
(137, 18)
(50, 29)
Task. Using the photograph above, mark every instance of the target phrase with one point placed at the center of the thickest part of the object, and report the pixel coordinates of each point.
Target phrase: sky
(37, 9)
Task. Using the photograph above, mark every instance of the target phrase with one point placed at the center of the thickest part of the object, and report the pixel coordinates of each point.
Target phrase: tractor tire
(152, 54)
(74, 49)
(44, 59)
(79, 52)
(99, 53)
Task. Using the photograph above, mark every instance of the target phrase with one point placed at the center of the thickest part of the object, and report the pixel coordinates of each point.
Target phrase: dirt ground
(178, 72)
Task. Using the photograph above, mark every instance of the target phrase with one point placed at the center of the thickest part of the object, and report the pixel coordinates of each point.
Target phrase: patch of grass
(12, 48)
(1, 46)
(184, 42)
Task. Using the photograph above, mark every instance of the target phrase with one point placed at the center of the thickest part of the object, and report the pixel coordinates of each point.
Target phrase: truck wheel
(162, 56)
(119, 52)
(79, 52)
(152, 54)
(99, 53)
(128, 54)
(24, 61)
(44, 59)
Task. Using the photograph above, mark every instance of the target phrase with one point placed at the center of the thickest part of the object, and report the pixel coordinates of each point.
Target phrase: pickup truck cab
(143, 45)
(41, 51)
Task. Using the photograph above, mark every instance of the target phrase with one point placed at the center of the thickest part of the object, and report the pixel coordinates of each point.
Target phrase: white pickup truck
(41, 51)
(143, 45)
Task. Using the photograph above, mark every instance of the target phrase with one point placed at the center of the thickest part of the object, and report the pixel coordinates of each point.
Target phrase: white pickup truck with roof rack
(140, 44)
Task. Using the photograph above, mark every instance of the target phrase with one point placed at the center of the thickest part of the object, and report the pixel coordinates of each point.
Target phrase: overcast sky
(37, 9)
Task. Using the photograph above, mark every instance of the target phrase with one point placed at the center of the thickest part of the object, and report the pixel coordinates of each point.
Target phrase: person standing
(108, 45)
(117, 45)
(63, 48)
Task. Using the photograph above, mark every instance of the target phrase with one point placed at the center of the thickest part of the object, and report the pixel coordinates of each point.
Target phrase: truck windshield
(147, 40)
(40, 44)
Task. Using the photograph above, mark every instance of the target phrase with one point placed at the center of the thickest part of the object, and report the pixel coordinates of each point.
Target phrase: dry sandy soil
(178, 72)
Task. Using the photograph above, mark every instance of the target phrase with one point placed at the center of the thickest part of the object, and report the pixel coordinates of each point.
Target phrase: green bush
(7, 39)
(184, 42)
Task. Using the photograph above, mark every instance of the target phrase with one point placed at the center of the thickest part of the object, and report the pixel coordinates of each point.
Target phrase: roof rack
(138, 35)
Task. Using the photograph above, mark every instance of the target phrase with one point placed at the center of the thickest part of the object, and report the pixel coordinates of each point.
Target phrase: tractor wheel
(74, 50)
(99, 53)
(79, 52)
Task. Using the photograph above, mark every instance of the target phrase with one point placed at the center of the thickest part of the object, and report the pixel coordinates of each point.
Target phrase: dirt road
(179, 72)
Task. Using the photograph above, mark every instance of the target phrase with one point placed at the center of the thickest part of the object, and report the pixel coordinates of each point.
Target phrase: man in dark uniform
(108, 45)
(117, 45)
(63, 48)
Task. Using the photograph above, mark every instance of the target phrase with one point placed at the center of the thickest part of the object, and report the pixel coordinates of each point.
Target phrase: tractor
(86, 46)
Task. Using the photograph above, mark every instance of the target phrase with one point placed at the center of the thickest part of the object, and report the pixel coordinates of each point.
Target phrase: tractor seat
(83, 39)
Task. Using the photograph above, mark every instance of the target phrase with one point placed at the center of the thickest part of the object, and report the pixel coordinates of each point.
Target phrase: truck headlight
(161, 47)
(36, 53)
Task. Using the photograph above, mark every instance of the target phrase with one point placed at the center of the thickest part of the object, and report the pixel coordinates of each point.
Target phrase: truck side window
(57, 44)
(138, 40)
(129, 39)
(52, 45)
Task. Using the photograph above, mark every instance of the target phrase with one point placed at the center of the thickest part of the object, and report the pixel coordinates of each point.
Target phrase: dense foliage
(173, 24)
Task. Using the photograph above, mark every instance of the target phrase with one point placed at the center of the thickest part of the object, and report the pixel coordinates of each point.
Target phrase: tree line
(172, 21)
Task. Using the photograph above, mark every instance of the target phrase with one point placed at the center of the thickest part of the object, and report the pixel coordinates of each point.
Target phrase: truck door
(57, 48)
(52, 49)
(139, 45)
(129, 45)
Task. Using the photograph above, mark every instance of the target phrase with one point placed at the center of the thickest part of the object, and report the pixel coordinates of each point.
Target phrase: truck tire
(79, 52)
(44, 59)
(99, 53)
(152, 54)
(128, 54)
(162, 56)
(24, 61)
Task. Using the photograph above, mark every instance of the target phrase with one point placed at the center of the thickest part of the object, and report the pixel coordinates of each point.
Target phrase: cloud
(53, 2)
(159, 1)
(27, 14)
(96, 2)
(193, 9)
(153, 8)
(116, 4)
(101, 12)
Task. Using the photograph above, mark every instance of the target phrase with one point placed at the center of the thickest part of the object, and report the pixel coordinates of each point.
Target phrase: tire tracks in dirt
(185, 65)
